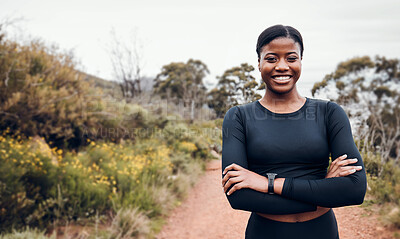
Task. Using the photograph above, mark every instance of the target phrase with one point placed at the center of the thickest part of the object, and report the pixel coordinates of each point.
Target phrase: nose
(282, 66)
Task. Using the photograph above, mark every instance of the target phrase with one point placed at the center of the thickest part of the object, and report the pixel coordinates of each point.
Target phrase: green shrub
(384, 185)
(129, 223)
(40, 186)
(28, 233)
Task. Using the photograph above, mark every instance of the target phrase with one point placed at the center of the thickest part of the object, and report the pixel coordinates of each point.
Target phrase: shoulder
(240, 111)
(334, 113)
(318, 102)
(329, 110)
(327, 105)
(335, 110)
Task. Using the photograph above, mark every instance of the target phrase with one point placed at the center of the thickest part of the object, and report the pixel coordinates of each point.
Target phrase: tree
(126, 60)
(217, 101)
(370, 92)
(182, 82)
(235, 86)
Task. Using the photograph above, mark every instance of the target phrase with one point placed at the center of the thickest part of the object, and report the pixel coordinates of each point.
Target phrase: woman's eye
(270, 59)
(292, 58)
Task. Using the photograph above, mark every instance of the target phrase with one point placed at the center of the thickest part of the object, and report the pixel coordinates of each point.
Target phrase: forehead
(281, 45)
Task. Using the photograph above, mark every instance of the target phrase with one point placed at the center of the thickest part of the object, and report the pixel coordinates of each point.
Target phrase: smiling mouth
(281, 79)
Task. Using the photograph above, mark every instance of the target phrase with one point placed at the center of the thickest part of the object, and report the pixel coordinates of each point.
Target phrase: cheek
(298, 69)
(265, 69)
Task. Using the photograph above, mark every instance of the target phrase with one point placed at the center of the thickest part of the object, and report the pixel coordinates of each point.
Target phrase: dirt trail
(206, 214)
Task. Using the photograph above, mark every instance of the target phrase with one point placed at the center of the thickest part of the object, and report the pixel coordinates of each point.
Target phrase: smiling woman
(280, 65)
(276, 151)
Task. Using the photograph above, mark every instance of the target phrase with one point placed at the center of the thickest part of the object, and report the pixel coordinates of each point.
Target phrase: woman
(291, 138)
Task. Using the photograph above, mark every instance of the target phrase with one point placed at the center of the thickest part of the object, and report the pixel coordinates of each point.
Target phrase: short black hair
(277, 31)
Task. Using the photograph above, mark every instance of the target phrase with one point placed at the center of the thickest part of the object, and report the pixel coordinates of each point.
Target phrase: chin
(281, 90)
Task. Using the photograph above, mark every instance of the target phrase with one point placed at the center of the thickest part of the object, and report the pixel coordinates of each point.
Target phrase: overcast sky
(222, 34)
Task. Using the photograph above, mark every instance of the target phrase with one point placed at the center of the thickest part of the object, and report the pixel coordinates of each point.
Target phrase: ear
(259, 68)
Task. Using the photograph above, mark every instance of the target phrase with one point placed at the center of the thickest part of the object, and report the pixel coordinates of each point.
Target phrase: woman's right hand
(338, 167)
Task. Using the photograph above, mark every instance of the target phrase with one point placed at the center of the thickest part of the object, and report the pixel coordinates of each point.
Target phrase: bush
(44, 94)
(40, 185)
(384, 185)
(28, 233)
(129, 223)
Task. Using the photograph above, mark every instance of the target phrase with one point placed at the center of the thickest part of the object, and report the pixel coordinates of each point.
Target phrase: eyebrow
(286, 53)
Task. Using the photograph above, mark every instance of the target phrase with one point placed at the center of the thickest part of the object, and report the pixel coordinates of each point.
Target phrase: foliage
(41, 93)
(40, 185)
(235, 86)
(129, 223)
(182, 82)
(28, 233)
(69, 153)
(369, 90)
(384, 185)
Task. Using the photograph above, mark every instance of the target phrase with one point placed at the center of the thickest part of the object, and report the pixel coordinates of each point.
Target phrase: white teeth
(282, 77)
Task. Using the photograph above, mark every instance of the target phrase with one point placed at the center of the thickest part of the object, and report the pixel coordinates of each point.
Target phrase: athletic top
(297, 147)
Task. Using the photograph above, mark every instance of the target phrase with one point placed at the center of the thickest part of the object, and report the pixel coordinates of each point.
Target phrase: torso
(290, 144)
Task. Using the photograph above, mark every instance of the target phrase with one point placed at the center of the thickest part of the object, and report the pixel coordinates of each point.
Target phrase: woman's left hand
(243, 178)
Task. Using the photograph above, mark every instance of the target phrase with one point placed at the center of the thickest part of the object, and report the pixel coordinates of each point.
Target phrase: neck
(272, 98)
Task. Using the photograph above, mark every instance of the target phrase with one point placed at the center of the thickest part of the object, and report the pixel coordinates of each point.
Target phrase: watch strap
(271, 177)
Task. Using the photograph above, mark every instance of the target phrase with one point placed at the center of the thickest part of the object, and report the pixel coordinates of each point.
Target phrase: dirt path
(206, 214)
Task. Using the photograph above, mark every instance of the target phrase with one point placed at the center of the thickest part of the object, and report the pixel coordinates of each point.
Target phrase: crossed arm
(341, 187)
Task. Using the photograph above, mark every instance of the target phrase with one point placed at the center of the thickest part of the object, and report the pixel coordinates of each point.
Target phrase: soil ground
(206, 214)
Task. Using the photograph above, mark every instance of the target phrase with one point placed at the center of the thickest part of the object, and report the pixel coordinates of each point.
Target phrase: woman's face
(280, 65)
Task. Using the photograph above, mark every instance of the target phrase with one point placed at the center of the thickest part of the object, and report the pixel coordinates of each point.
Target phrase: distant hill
(113, 88)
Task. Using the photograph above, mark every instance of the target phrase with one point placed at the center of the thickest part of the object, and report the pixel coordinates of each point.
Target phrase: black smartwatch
(271, 177)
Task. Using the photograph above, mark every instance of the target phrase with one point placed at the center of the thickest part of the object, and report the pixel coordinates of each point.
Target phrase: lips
(282, 79)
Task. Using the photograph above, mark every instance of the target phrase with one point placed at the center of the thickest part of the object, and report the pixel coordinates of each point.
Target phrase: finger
(229, 167)
(341, 157)
(347, 161)
(334, 164)
(342, 169)
(338, 159)
(232, 181)
(232, 167)
(347, 168)
(347, 172)
(235, 187)
(228, 175)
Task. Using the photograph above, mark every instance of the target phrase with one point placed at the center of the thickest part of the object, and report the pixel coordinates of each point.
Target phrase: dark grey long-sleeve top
(297, 147)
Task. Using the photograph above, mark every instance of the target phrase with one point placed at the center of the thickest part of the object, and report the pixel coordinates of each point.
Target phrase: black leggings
(322, 227)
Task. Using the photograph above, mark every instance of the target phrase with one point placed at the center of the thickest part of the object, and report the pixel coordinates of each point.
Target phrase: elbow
(361, 195)
(239, 200)
(359, 192)
(235, 206)
(235, 201)
(357, 199)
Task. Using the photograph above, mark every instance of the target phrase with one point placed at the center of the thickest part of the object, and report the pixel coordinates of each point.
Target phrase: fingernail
(354, 160)
(353, 170)
(227, 193)
(344, 155)
(359, 167)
